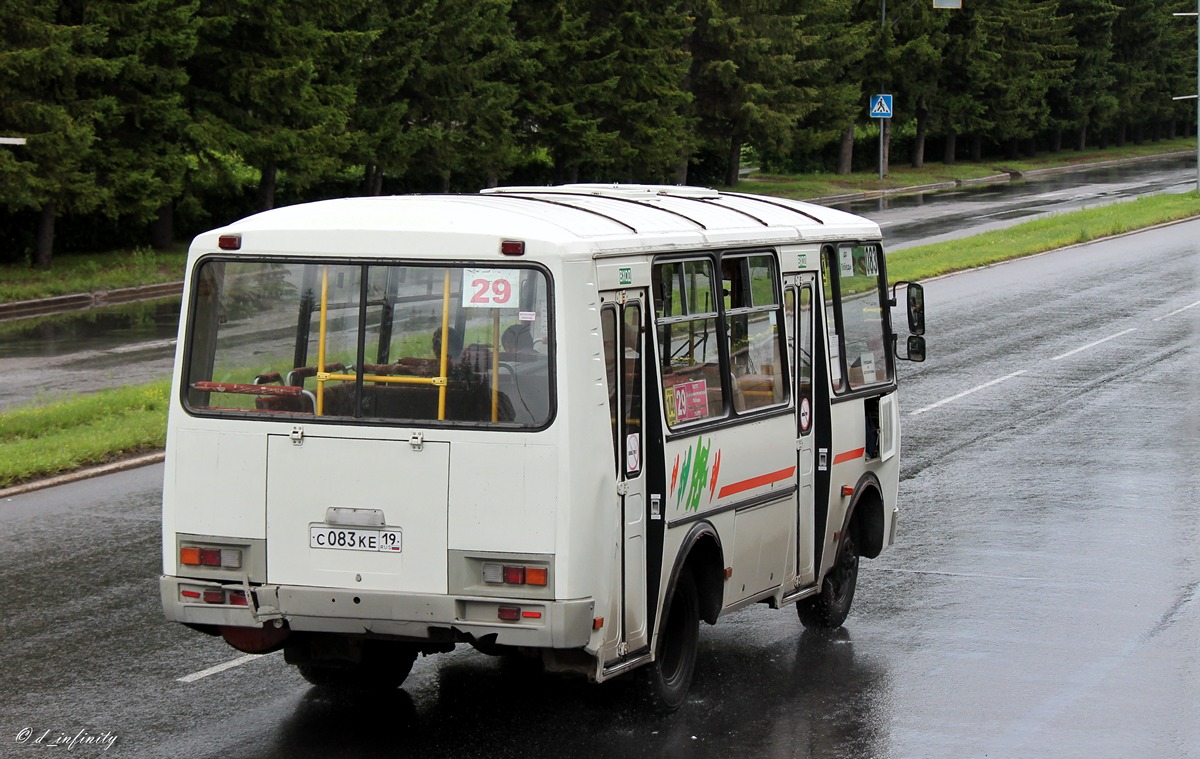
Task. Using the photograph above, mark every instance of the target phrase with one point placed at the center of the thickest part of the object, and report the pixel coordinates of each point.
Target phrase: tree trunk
(733, 167)
(918, 159)
(1056, 141)
(681, 171)
(950, 148)
(1120, 135)
(977, 148)
(846, 153)
(377, 184)
(162, 229)
(45, 236)
(266, 187)
(445, 182)
(1081, 144)
(1012, 149)
(368, 183)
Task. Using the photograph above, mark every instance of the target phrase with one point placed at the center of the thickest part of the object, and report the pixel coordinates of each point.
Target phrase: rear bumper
(542, 624)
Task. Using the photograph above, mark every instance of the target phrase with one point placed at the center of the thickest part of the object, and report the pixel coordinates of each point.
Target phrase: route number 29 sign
(491, 288)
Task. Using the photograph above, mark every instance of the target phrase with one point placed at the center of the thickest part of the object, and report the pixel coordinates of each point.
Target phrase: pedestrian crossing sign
(881, 107)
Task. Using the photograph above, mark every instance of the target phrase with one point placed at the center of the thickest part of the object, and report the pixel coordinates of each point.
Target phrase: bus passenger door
(622, 318)
(799, 303)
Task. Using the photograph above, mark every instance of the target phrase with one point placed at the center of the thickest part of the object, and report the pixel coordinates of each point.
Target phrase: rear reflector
(214, 596)
(238, 598)
(509, 613)
(531, 615)
(229, 242)
(512, 247)
(195, 594)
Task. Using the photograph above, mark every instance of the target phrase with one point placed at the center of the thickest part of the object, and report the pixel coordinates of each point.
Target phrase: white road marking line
(965, 393)
(1178, 311)
(973, 575)
(1093, 345)
(219, 668)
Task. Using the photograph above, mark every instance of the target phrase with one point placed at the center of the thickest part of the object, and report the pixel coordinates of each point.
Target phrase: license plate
(354, 538)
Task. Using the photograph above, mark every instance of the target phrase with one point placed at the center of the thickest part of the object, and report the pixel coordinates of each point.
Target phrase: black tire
(669, 677)
(383, 668)
(828, 609)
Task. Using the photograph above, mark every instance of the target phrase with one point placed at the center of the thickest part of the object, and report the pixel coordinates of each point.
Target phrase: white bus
(564, 423)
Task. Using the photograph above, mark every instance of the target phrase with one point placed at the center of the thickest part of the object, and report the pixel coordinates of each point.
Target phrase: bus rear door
(622, 316)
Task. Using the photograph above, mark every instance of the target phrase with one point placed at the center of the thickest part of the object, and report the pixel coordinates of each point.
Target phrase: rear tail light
(214, 596)
(205, 556)
(515, 574)
(509, 613)
(238, 598)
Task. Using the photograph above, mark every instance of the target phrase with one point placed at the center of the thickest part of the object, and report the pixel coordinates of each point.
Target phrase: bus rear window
(370, 342)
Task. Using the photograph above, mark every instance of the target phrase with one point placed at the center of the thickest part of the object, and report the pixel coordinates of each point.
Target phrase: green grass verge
(51, 437)
(92, 272)
(1039, 236)
(900, 174)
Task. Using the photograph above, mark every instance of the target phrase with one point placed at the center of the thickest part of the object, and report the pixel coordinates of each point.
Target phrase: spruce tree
(50, 65)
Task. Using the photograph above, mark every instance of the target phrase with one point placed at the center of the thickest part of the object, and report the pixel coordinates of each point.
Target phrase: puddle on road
(94, 329)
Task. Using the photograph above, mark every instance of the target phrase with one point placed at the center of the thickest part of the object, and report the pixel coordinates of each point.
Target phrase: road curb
(84, 474)
(58, 304)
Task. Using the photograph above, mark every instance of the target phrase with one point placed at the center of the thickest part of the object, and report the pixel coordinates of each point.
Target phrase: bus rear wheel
(669, 677)
(383, 667)
(828, 609)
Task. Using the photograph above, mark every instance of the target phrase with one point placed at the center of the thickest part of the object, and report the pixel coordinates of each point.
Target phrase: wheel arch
(702, 554)
(866, 516)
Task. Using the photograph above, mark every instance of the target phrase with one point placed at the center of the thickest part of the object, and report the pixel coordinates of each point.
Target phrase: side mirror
(916, 348)
(916, 305)
(916, 310)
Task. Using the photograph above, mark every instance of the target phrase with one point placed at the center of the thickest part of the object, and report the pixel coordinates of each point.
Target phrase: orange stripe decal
(754, 482)
(842, 458)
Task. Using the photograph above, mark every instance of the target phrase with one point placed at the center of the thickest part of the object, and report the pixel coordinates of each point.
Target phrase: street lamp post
(1197, 95)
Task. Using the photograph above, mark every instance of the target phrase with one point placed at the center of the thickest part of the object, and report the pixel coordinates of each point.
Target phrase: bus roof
(614, 218)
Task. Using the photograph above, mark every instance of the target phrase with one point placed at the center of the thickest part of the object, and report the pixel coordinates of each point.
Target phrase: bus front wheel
(669, 677)
(828, 609)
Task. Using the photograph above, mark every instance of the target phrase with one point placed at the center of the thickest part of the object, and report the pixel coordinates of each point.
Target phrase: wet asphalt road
(1043, 599)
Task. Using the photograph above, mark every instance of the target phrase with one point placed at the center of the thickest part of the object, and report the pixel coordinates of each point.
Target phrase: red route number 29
(490, 288)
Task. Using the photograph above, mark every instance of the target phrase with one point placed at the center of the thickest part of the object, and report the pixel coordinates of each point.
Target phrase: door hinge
(297, 435)
(622, 487)
(417, 441)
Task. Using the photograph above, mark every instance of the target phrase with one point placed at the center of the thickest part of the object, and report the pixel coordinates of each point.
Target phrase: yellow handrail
(495, 365)
(445, 346)
(321, 339)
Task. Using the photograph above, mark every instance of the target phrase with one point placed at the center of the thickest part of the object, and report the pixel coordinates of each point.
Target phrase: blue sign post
(881, 108)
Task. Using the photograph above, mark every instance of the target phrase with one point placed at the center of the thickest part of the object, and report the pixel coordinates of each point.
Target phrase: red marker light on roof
(229, 242)
(512, 247)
